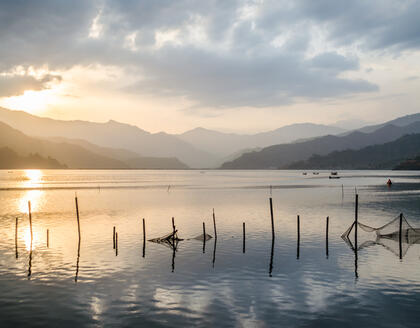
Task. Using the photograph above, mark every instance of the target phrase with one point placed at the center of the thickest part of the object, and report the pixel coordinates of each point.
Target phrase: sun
(31, 101)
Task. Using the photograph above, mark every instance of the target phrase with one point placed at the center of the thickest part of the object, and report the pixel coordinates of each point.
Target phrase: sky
(237, 66)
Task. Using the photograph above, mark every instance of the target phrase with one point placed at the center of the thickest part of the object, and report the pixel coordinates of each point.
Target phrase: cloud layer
(217, 54)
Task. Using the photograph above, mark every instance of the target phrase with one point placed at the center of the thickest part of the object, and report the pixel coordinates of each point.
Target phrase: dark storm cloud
(238, 65)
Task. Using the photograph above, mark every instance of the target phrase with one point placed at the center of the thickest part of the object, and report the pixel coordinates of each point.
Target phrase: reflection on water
(34, 196)
(305, 277)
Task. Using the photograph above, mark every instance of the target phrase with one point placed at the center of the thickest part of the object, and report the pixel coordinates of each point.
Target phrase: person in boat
(389, 182)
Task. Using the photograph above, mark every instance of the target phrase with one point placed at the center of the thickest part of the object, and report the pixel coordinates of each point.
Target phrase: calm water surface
(211, 284)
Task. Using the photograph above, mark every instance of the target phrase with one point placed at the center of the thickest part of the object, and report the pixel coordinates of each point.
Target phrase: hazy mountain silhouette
(11, 160)
(278, 156)
(400, 121)
(385, 156)
(73, 155)
(132, 159)
(111, 134)
(227, 144)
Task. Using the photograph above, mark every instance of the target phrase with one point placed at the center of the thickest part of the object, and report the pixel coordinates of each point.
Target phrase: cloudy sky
(229, 65)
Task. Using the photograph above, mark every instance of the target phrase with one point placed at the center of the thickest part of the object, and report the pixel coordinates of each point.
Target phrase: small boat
(315, 173)
(304, 173)
(334, 177)
(334, 173)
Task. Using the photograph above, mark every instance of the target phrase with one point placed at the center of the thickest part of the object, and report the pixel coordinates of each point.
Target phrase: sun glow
(33, 177)
(31, 101)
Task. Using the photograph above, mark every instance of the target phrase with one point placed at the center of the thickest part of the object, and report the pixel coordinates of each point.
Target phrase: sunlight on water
(33, 180)
(27, 239)
(33, 196)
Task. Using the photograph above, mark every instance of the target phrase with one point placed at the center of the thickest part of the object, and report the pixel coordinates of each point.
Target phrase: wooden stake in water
(144, 238)
(243, 233)
(272, 217)
(78, 218)
(356, 213)
(16, 238)
(113, 236)
(270, 270)
(204, 237)
(400, 235)
(76, 276)
(48, 238)
(214, 251)
(326, 236)
(30, 222)
(32, 237)
(298, 238)
(214, 224)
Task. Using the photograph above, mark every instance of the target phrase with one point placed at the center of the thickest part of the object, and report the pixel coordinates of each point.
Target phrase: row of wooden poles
(115, 236)
(48, 238)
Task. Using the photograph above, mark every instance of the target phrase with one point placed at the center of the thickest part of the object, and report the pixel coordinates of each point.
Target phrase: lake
(214, 284)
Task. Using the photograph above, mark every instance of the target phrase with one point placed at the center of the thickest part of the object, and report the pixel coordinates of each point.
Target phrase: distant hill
(409, 164)
(110, 134)
(11, 160)
(385, 156)
(227, 144)
(132, 159)
(279, 156)
(400, 121)
(73, 155)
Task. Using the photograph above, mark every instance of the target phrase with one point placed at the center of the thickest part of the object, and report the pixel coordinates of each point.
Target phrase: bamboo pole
(77, 214)
(298, 238)
(272, 217)
(113, 237)
(214, 225)
(144, 238)
(326, 235)
(16, 238)
(48, 238)
(30, 221)
(243, 233)
(356, 213)
(400, 235)
(270, 270)
(204, 238)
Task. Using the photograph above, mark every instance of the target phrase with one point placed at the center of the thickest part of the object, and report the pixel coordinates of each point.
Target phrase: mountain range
(385, 156)
(111, 134)
(92, 145)
(75, 156)
(198, 148)
(281, 156)
(226, 144)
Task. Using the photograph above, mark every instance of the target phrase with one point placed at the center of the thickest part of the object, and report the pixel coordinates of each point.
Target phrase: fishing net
(396, 236)
(203, 237)
(171, 239)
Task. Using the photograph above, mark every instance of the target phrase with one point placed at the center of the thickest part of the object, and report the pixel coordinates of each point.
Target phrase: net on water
(396, 236)
(171, 239)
